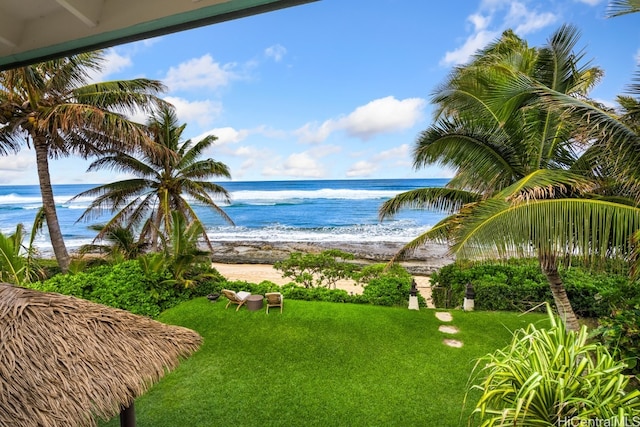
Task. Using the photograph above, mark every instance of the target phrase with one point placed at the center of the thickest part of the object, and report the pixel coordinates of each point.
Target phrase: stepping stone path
(453, 343)
(448, 329)
(443, 316)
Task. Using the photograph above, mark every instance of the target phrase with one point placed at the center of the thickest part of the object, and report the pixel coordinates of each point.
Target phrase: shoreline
(423, 261)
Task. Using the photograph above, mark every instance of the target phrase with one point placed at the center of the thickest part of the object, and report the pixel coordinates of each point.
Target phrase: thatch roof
(64, 360)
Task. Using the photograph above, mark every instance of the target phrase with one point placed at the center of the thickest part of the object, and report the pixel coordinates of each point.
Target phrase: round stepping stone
(448, 329)
(444, 316)
(453, 343)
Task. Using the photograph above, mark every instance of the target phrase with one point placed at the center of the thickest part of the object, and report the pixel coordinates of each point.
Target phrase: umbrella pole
(128, 416)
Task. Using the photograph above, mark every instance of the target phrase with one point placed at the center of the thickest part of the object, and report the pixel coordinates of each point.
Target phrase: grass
(322, 364)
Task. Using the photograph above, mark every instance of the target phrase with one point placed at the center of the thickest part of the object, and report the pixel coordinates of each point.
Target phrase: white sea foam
(324, 193)
(401, 231)
(29, 202)
(15, 199)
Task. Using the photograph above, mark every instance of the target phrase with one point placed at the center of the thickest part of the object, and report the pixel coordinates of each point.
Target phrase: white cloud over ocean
(383, 115)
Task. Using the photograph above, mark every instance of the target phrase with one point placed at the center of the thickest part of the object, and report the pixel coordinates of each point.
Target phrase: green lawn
(322, 364)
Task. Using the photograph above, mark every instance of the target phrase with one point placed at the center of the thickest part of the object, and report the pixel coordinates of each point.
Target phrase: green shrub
(320, 270)
(620, 334)
(520, 285)
(128, 286)
(553, 377)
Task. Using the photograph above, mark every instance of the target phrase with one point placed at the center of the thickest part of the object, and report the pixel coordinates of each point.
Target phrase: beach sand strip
(256, 273)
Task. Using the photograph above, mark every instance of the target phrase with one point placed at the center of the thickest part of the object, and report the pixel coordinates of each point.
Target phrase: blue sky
(336, 89)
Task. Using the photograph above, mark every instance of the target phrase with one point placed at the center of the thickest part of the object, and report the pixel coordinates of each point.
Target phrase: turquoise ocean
(274, 211)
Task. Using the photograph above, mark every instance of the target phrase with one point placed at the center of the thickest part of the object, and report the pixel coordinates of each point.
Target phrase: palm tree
(622, 7)
(53, 107)
(513, 151)
(120, 244)
(165, 172)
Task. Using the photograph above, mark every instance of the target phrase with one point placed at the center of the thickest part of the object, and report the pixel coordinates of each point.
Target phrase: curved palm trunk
(48, 203)
(563, 305)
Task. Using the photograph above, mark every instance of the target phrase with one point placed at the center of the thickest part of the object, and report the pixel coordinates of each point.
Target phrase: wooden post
(128, 416)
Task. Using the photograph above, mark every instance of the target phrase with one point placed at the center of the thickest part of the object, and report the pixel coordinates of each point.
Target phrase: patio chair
(235, 297)
(274, 299)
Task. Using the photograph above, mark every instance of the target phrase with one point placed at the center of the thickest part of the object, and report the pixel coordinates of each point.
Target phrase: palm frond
(483, 159)
(589, 229)
(546, 184)
(444, 199)
(622, 7)
(124, 163)
(122, 95)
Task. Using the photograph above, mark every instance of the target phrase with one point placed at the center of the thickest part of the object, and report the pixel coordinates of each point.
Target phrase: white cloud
(275, 52)
(312, 133)
(14, 167)
(228, 135)
(325, 150)
(253, 158)
(397, 157)
(401, 151)
(480, 22)
(362, 168)
(504, 14)
(473, 43)
(384, 115)
(113, 63)
(200, 73)
(297, 165)
(524, 21)
(201, 112)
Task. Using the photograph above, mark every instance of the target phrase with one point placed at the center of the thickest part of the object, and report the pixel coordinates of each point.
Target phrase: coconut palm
(166, 172)
(622, 7)
(54, 108)
(518, 160)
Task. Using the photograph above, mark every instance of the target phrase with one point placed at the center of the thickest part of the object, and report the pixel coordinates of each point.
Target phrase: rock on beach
(422, 261)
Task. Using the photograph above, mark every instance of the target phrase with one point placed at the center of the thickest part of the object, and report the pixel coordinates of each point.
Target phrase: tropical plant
(320, 270)
(551, 377)
(120, 244)
(189, 264)
(526, 182)
(53, 107)
(18, 264)
(165, 172)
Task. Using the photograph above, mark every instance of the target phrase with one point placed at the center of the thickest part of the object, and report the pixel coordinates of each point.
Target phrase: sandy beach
(256, 273)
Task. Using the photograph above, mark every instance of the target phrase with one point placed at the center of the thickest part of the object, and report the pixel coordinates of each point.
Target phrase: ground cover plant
(322, 364)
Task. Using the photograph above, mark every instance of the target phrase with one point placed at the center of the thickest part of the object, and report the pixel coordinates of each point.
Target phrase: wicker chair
(235, 297)
(274, 299)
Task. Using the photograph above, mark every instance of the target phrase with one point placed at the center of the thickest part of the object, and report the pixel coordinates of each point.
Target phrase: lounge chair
(235, 297)
(274, 299)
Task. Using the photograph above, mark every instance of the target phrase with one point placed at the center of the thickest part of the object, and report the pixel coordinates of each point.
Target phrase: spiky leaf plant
(551, 377)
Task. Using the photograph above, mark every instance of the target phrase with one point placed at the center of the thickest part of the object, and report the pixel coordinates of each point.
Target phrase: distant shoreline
(425, 260)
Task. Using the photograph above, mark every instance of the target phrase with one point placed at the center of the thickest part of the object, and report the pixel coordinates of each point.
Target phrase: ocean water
(292, 211)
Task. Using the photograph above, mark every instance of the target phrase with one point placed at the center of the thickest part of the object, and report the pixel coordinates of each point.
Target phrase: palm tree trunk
(48, 203)
(563, 305)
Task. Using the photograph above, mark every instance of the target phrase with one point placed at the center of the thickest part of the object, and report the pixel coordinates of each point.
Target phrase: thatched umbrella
(64, 360)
